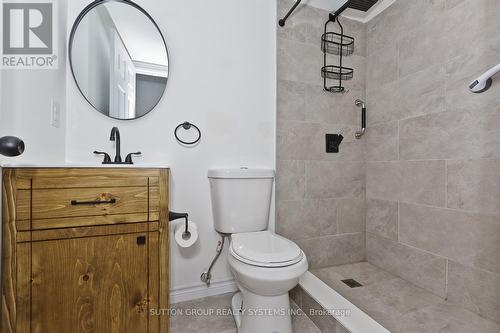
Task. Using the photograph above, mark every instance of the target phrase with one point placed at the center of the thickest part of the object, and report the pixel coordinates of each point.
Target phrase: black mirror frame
(80, 17)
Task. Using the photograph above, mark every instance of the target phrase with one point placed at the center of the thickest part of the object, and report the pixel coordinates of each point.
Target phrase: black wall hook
(187, 125)
(11, 146)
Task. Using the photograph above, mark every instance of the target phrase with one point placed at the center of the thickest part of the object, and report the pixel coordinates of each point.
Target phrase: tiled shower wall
(433, 149)
(320, 196)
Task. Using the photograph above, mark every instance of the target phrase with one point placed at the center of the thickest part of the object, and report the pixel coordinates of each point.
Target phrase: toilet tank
(241, 199)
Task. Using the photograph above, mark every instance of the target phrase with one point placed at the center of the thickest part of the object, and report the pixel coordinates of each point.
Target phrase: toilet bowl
(265, 265)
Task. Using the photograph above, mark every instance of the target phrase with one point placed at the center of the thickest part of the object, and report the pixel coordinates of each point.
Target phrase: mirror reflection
(119, 59)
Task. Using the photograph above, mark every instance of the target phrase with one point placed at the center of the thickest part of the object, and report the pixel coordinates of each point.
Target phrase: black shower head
(363, 5)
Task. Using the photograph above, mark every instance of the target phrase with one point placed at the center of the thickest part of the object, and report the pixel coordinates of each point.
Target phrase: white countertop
(144, 165)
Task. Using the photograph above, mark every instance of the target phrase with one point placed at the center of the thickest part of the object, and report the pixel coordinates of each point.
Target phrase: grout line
(466, 159)
(397, 141)
(397, 239)
(446, 183)
(446, 280)
(380, 236)
(424, 251)
(444, 208)
(305, 179)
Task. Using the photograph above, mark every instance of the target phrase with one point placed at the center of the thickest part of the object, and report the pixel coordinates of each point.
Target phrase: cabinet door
(95, 284)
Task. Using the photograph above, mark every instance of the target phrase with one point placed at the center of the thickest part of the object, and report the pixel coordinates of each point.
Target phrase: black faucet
(115, 136)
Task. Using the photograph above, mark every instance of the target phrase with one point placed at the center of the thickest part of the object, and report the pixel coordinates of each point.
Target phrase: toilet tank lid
(242, 172)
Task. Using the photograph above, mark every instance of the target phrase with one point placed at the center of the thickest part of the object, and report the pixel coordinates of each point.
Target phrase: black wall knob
(11, 146)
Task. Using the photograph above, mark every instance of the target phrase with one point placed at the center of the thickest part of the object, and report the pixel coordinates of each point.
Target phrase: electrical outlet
(55, 114)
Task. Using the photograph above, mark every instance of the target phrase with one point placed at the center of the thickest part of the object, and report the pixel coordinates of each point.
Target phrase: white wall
(222, 78)
(25, 105)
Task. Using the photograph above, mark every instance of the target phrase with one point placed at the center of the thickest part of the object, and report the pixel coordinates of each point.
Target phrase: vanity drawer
(86, 206)
(59, 178)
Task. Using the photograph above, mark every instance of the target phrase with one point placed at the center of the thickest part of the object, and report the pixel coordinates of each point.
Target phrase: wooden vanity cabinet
(84, 250)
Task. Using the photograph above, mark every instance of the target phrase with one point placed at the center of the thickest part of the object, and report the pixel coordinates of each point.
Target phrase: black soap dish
(334, 43)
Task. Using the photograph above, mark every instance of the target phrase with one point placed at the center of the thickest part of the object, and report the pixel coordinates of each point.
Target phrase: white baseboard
(200, 291)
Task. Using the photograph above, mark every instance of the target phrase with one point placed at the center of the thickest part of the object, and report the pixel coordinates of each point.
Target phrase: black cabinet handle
(95, 202)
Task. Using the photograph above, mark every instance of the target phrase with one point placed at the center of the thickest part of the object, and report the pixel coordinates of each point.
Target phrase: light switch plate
(55, 114)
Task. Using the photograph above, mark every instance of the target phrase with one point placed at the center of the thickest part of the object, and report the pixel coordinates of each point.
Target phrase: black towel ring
(187, 125)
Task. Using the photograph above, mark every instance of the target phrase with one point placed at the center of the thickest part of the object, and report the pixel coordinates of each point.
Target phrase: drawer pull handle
(96, 202)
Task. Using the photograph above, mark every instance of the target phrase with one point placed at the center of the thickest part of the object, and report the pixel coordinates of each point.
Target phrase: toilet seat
(264, 249)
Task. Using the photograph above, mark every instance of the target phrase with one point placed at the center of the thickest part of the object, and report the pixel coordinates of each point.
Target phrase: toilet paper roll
(181, 239)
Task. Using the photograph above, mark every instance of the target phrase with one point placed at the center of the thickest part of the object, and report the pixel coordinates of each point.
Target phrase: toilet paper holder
(175, 216)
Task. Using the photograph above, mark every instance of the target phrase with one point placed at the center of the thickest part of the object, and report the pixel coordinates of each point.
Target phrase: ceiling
(333, 5)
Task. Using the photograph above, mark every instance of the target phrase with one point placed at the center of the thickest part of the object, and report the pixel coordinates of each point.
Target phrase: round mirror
(118, 58)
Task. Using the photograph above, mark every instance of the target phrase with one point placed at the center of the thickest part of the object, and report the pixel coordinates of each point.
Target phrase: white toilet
(265, 266)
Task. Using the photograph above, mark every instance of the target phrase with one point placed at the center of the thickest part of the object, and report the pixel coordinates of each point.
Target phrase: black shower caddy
(336, 44)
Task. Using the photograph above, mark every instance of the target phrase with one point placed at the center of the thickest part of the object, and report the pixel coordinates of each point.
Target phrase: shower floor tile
(194, 317)
(400, 306)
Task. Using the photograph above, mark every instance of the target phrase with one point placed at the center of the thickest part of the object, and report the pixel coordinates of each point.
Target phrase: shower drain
(352, 283)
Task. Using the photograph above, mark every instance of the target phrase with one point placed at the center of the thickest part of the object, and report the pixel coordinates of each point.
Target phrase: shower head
(484, 82)
(363, 5)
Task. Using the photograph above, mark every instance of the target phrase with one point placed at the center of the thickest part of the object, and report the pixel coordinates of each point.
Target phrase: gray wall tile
(422, 92)
(476, 290)
(291, 100)
(331, 108)
(409, 181)
(382, 218)
(334, 250)
(474, 185)
(290, 180)
(476, 36)
(422, 269)
(451, 135)
(382, 142)
(380, 30)
(301, 219)
(445, 317)
(421, 47)
(299, 62)
(334, 179)
(383, 103)
(470, 239)
(351, 215)
(382, 67)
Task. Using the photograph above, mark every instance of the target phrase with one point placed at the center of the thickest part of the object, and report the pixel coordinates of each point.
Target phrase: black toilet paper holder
(175, 216)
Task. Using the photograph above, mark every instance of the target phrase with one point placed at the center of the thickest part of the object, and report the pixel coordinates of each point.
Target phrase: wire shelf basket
(337, 72)
(334, 43)
(336, 89)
